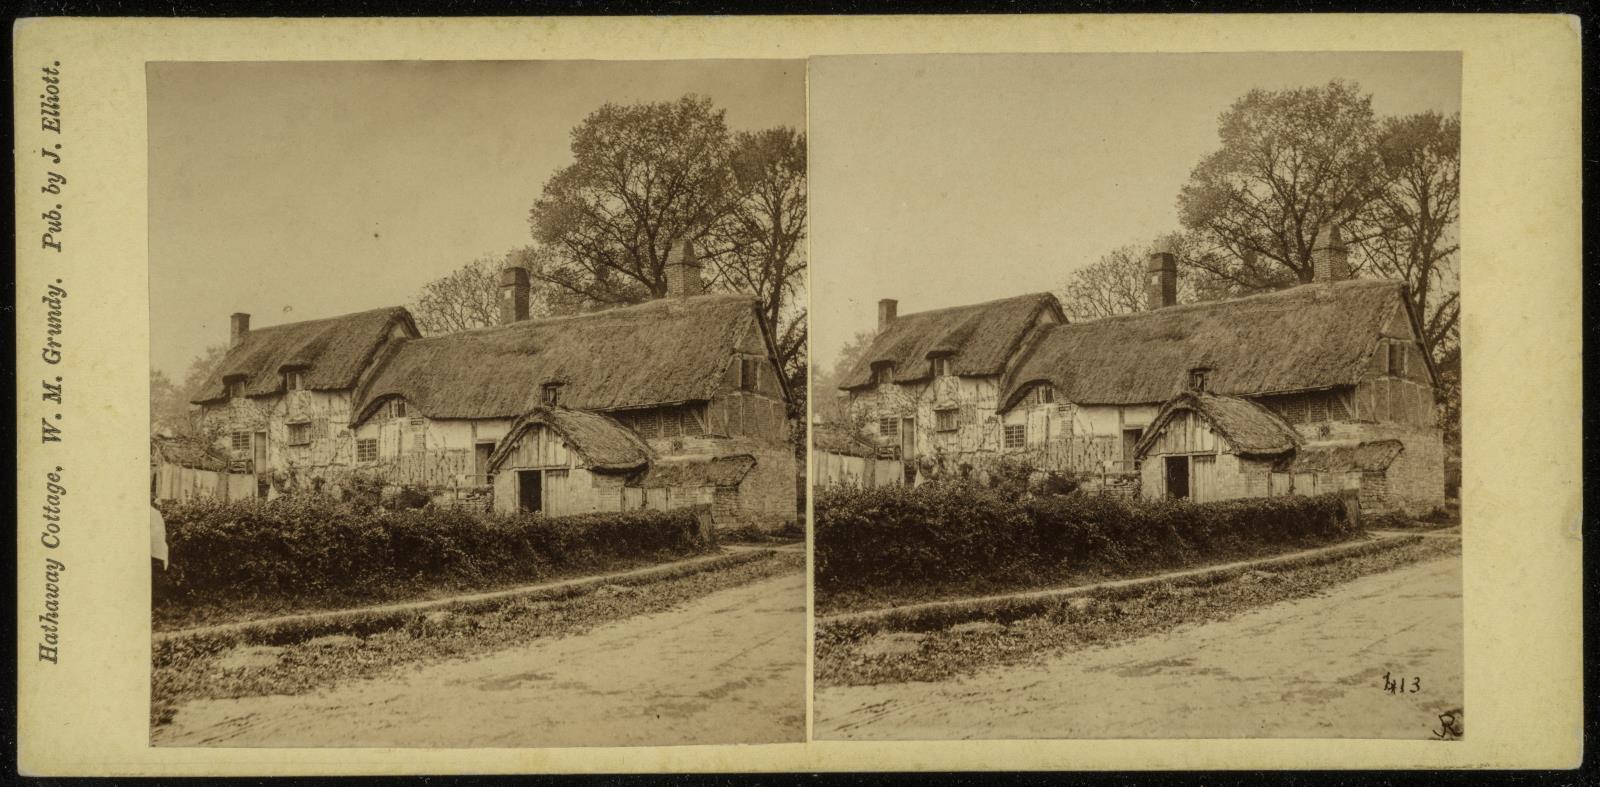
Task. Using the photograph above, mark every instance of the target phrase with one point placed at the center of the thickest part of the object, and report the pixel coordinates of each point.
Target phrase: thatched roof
(1249, 428)
(605, 445)
(186, 452)
(1345, 456)
(836, 439)
(687, 472)
(1310, 337)
(332, 352)
(663, 352)
(979, 338)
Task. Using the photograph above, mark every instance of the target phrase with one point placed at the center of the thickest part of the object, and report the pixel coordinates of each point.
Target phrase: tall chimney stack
(1330, 260)
(1161, 281)
(683, 271)
(238, 327)
(513, 295)
(888, 309)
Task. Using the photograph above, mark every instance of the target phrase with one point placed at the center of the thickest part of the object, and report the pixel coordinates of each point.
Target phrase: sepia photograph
(1136, 410)
(477, 403)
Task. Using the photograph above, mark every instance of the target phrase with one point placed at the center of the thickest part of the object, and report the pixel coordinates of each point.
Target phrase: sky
(293, 191)
(950, 179)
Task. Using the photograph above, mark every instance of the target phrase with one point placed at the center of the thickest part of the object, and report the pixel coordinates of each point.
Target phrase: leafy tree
(831, 404)
(1290, 162)
(643, 177)
(170, 408)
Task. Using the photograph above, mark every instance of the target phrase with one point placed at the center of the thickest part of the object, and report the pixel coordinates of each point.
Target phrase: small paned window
(367, 449)
(240, 441)
(888, 427)
(749, 373)
(552, 394)
(397, 408)
(300, 434)
(883, 374)
(294, 380)
(1044, 394)
(942, 366)
(945, 420)
(236, 389)
(1016, 436)
(1397, 359)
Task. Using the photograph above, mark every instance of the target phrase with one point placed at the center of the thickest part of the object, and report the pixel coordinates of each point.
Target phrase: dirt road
(725, 668)
(1308, 668)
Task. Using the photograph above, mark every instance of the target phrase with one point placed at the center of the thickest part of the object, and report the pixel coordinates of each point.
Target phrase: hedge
(947, 533)
(312, 548)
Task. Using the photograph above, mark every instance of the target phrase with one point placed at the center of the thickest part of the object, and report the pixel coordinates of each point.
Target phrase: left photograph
(477, 397)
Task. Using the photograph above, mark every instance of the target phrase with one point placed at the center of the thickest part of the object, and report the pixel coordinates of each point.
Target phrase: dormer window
(294, 380)
(749, 374)
(1198, 378)
(883, 373)
(1044, 393)
(397, 408)
(1397, 359)
(550, 394)
(235, 387)
(942, 366)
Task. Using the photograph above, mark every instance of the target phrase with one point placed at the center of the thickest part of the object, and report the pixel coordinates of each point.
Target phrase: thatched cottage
(1308, 388)
(674, 402)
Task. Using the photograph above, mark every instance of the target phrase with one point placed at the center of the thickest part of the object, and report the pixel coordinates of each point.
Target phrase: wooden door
(1203, 478)
(258, 446)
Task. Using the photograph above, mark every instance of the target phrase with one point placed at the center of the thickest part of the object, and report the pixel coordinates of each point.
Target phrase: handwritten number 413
(1402, 685)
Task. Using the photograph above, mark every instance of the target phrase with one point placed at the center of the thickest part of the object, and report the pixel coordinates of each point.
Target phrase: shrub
(300, 548)
(957, 533)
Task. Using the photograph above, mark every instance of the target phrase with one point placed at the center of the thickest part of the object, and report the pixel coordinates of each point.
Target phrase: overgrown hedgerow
(911, 542)
(306, 550)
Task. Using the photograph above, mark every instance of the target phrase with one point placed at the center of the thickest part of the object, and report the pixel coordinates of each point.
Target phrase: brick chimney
(1330, 260)
(238, 328)
(683, 272)
(513, 295)
(1161, 281)
(888, 309)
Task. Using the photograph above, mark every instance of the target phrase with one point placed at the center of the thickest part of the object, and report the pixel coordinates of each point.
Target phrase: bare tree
(171, 410)
(758, 246)
(465, 298)
(1116, 283)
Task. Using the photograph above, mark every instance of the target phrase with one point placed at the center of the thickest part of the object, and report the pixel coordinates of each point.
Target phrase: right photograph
(1135, 396)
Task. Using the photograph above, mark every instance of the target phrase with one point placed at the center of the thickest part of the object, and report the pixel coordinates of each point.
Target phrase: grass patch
(294, 659)
(931, 648)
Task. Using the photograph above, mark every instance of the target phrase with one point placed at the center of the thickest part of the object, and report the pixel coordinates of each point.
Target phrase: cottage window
(648, 424)
(882, 373)
(367, 449)
(235, 388)
(240, 441)
(552, 394)
(300, 434)
(1397, 359)
(888, 427)
(1044, 393)
(294, 380)
(1016, 436)
(749, 373)
(945, 420)
(397, 408)
(942, 366)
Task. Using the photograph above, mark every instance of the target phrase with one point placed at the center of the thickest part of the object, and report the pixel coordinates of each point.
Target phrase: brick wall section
(1415, 480)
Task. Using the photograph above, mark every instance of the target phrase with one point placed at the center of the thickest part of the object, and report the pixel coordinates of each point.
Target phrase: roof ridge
(654, 303)
(1254, 296)
(362, 313)
(1027, 295)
